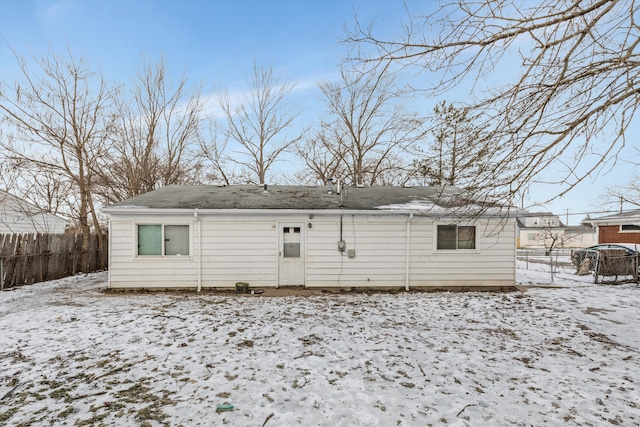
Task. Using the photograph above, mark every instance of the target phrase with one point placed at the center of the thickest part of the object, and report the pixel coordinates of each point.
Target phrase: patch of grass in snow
(245, 344)
(6, 416)
(133, 394)
(153, 412)
(136, 394)
(14, 356)
(501, 331)
(229, 376)
(61, 393)
(66, 412)
(310, 340)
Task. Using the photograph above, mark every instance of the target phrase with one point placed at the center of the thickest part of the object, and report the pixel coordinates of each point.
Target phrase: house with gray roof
(309, 236)
(542, 230)
(19, 216)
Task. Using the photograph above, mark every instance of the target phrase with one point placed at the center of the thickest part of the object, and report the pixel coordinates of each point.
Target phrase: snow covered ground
(71, 354)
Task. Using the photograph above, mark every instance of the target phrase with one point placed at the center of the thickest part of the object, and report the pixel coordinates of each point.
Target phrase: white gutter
(408, 254)
(195, 214)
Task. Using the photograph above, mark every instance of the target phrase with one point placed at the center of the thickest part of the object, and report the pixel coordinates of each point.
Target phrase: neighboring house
(386, 237)
(581, 236)
(538, 230)
(20, 216)
(623, 227)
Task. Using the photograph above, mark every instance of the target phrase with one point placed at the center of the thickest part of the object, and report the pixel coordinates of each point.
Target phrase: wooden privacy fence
(30, 258)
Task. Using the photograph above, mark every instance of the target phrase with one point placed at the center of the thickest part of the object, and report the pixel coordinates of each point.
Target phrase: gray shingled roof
(290, 197)
(632, 214)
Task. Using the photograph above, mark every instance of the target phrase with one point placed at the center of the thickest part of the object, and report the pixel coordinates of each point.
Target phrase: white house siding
(240, 249)
(379, 242)
(126, 270)
(245, 248)
(17, 218)
(492, 264)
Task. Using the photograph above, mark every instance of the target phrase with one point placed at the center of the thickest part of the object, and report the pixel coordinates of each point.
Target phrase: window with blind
(456, 237)
(163, 240)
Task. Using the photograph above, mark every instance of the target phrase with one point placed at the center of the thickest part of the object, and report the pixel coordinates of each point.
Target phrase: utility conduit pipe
(408, 254)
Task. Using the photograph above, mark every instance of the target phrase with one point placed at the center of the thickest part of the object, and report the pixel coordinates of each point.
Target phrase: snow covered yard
(71, 354)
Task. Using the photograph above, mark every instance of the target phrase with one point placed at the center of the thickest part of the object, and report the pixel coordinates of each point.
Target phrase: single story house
(311, 236)
(19, 216)
(538, 230)
(623, 227)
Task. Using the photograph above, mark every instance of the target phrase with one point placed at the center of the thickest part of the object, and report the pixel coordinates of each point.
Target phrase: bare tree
(323, 154)
(158, 124)
(368, 130)
(257, 121)
(59, 118)
(575, 93)
(458, 153)
(556, 237)
(48, 189)
(627, 193)
(217, 165)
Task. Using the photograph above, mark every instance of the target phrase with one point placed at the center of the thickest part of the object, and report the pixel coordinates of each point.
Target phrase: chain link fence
(608, 266)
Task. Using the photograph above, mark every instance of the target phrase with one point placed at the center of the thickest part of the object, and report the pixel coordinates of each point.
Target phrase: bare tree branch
(367, 130)
(577, 88)
(59, 117)
(158, 122)
(257, 122)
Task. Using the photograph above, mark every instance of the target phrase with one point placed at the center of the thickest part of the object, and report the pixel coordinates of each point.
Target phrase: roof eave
(133, 210)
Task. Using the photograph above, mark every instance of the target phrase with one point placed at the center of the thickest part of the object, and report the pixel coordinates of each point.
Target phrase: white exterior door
(291, 264)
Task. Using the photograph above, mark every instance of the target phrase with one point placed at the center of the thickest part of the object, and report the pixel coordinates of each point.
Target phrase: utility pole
(621, 204)
(567, 222)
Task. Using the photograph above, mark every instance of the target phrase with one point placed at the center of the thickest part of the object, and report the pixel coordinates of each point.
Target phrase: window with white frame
(456, 237)
(163, 239)
(630, 228)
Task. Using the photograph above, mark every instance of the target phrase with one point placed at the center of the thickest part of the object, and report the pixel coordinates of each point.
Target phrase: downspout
(407, 263)
(195, 214)
(108, 256)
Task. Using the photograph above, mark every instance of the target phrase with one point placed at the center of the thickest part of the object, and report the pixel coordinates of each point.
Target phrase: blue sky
(216, 43)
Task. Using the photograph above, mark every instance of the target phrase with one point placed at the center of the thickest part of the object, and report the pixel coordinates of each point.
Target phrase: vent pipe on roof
(330, 185)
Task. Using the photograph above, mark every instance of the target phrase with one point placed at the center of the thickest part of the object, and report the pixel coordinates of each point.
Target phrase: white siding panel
(240, 250)
(379, 245)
